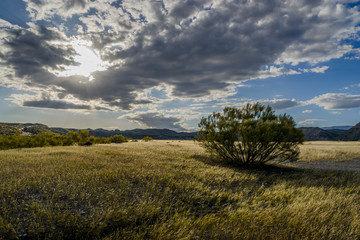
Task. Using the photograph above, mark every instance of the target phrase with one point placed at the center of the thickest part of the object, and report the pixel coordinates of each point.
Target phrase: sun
(88, 60)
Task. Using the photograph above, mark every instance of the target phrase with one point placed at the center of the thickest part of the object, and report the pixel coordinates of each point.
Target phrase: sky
(125, 64)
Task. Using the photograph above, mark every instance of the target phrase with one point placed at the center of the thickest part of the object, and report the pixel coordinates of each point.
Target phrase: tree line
(45, 139)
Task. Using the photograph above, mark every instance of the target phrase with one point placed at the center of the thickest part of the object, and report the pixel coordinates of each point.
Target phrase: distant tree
(118, 139)
(44, 139)
(92, 139)
(251, 135)
(73, 137)
(147, 139)
(84, 134)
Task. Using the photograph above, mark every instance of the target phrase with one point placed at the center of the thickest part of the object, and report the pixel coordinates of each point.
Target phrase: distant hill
(353, 134)
(23, 128)
(343, 133)
(30, 128)
(340, 128)
(158, 134)
(8, 129)
(319, 134)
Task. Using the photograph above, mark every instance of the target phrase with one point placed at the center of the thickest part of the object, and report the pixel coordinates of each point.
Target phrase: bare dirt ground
(349, 165)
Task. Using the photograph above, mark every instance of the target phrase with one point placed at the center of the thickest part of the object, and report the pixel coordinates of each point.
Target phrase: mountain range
(35, 128)
(337, 133)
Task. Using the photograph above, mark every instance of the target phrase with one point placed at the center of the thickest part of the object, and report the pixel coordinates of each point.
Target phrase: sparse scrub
(45, 139)
(251, 135)
(170, 190)
(147, 139)
(118, 139)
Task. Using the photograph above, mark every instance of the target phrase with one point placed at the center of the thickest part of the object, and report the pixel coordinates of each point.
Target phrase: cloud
(55, 104)
(335, 113)
(336, 101)
(32, 52)
(53, 100)
(272, 71)
(309, 122)
(195, 47)
(279, 104)
(44, 10)
(351, 86)
(316, 69)
(6, 24)
(307, 111)
(155, 120)
(322, 45)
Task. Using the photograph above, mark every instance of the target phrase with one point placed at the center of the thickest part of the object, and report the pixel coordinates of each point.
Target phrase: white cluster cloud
(46, 9)
(336, 101)
(316, 69)
(309, 122)
(307, 111)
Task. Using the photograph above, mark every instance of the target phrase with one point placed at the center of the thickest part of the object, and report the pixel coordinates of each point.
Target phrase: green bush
(147, 139)
(118, 139)
(45, 139)
(251, 135)
(84, 134)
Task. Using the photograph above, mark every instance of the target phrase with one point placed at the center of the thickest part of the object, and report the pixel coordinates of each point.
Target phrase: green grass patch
(168, 190)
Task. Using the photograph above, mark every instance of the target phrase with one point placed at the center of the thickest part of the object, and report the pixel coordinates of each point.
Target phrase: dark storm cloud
(74, 3)
(184, 9)
(186, 45)
(55, 104)
(231, 42)
(32, 52)
(157, 120)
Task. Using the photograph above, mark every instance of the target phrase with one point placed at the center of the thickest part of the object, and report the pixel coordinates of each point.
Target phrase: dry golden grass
(327, 150)
(168, 190)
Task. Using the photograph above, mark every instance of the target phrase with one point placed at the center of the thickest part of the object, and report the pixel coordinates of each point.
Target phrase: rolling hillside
(353, 134)
(311, 133)
(29, 128)
(318, 134)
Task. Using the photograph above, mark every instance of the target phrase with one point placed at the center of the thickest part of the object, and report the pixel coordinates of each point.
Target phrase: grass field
(173, 190)
(326, 150)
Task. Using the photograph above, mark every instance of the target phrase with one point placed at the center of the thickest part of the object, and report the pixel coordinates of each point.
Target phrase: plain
(174, 190)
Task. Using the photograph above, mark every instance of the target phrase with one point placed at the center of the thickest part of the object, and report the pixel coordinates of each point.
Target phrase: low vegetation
(168, 190)
(45, 139)
(329, 150)
(251, 135)
(147, 139)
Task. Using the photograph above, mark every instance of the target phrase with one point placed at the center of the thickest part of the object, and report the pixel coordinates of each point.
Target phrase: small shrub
(147, 139)
(118, 139)
(84, 135)
(251, 135)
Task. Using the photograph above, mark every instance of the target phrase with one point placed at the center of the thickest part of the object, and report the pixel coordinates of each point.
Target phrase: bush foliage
(147, 139)
(118, 139)
(45, 139)
(251, 135)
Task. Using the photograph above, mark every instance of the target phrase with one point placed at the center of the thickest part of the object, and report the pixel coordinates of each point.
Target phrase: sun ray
(88, 60)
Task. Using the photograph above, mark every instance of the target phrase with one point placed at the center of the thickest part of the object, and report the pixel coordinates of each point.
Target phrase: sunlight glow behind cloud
(87, 59)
